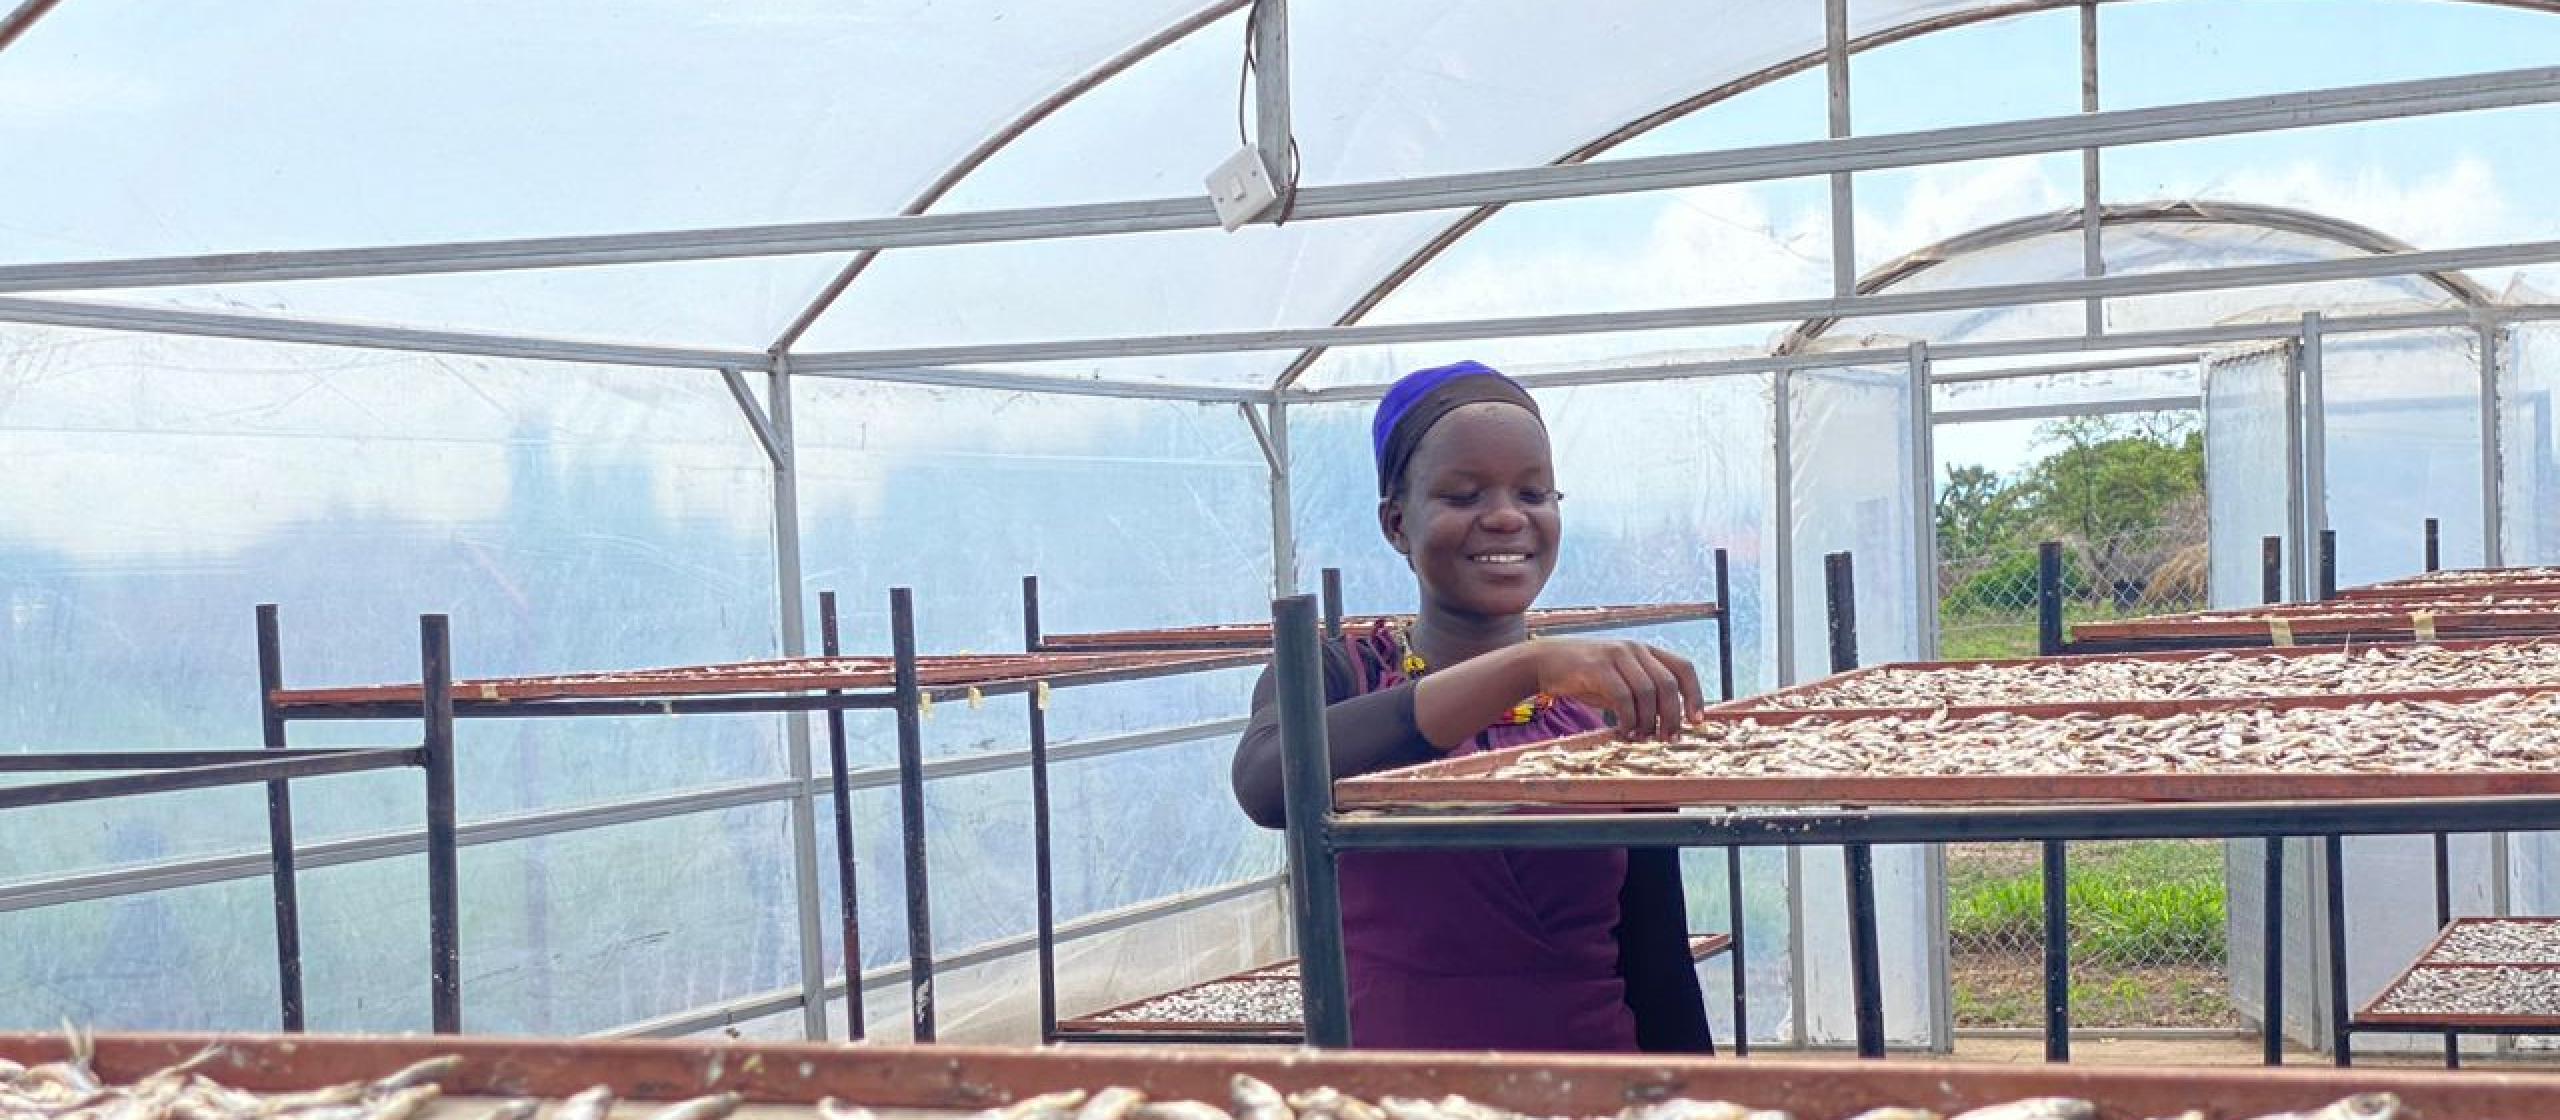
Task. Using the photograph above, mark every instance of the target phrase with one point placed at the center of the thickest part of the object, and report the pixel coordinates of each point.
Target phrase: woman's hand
(1651, 693)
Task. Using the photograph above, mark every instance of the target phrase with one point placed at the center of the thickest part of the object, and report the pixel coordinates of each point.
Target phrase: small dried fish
(833, 1109)
(1046, 1106)
(405, 1103)
(586, 1104)
(1897, 1114)
(1255, 1100)
(1180, 1110)
(1115, 1103)
(2362, 1106)
(518, 1109)
(2035, 1108)
(1333, 1104)
(716, 1106)
(431, 1071)
(1686, 1109)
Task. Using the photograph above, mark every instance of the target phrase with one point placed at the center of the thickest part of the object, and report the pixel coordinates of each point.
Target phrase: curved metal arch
(2283, 219)
(1473, 219)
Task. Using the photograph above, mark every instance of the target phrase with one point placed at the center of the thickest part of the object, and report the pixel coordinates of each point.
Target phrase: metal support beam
(2315, 452)
(1284, 517)
(2061, 369)
(1782, 513)
(2184, 403)
(1844, 210)
(321, 332)
(2493, 497)
(956, 378)
(21, 18)
(2297, 547)
(2093, 245)
(2382, 101)
(1272, 138)
(757, 422)
(2370, 266)
(810, 906)
(1924, 495)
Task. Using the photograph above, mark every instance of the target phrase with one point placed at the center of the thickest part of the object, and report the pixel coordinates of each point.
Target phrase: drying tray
(2486, 1020)
(1468, 780)
(1763, 704)
(2284, 626)
(1257, 635)
(944, 676)
(946, 1080)
(1131, 1019)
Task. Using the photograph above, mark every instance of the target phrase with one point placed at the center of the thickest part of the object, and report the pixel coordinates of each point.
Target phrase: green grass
(1967, 634)
(2129, 903)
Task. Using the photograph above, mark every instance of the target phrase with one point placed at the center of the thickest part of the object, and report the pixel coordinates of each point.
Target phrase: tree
(2111, 480)
(1978, 513)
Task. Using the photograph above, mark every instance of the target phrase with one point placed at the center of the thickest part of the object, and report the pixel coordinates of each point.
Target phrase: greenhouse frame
(961, 311)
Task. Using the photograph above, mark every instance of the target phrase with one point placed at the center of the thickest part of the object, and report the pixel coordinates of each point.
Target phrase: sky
(189, 128)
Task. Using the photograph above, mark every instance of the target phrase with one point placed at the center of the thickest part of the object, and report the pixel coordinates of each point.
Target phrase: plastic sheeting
(2401, 443)
(1852, 490)
(2529, 443)
(2248, 455)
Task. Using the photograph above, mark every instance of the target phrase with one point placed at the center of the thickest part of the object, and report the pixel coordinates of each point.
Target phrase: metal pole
(1782, 512)
(1332, 582)
(280, 855)
(1733, 916)
(1844, 213)
(2328, 564)
(444, 894)
(2315, 428)
(1306, 779)
(2444, 917)
(2057, 953)
(1284, 539)
(2493, 497)
(2297, 581)
(2333, 853)
(2093, 252)
(2271, 570)
(1271, 135)
(1044, 882)
(1724, 644)
(2271, 929)
(2049, 640)
(910, 705)
(2271, 868)
(1866, 972)
(809, 904)
(839, 773)
(1924, 493)
(2435, 550)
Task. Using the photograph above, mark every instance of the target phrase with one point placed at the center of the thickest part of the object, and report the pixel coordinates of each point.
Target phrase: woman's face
(1476, 518)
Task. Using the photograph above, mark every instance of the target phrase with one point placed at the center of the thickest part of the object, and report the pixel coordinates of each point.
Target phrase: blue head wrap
(1418, 400)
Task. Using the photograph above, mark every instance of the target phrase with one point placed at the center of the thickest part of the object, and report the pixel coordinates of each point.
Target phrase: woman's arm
(1365, 733)
(1653, 956)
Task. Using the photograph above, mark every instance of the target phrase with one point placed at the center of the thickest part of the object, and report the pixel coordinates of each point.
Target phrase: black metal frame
(1331, 614)
(905, 698)
(276, 766)
(1318, 835)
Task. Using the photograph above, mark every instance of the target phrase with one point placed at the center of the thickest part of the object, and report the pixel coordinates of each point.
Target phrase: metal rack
(277, 767)
(957, 1081)
(1320, 832)
(905, 684)
(1256, 638)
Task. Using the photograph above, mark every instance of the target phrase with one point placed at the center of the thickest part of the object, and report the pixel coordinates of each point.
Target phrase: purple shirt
(1510, 950)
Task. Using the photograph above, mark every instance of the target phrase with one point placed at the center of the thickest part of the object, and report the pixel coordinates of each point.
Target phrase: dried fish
(1897, 1114)
(432, 1070)
(1333, 1104)
(1684, 1109)
(1111, 1104)
(586, 1104)
(520, 1109)
(1180, 1110)
(2375, 669)
(1255, 1100)
(2035, 1108)
(833, 1109)
(1047, 1106)
(2362, 1106)
(716, 1106)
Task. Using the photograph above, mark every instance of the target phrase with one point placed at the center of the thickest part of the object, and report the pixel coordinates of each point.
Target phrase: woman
(1513, 950)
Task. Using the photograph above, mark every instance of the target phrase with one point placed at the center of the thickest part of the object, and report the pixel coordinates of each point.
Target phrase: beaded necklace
(1415, 667)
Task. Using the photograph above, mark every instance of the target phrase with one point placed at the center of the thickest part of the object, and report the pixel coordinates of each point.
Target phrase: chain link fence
(2147, 917)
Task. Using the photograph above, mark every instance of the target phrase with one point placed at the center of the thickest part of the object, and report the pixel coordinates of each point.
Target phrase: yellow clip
(2424, 622)
(2280, 631)
(976, 698)
(1040, 696)
(924, 705)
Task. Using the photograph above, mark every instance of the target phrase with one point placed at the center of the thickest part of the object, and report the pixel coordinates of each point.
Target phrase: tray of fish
(2300, 671)
(160, 1077)
(2460, 580)
(2497, 941)
(2376, 621)
(2456, 996)
(2461, 745)
(1251, 1001)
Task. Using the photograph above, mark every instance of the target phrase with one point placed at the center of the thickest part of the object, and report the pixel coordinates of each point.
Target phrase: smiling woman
(1577, 950)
